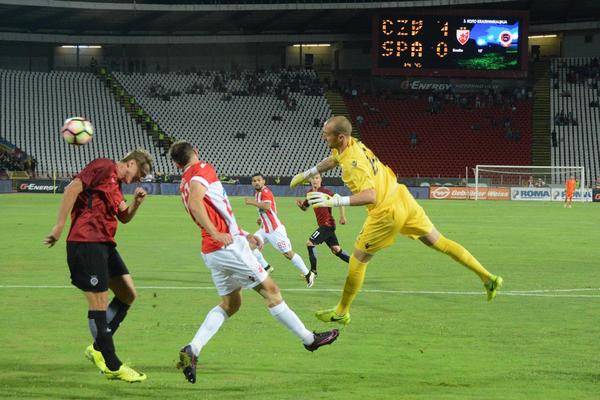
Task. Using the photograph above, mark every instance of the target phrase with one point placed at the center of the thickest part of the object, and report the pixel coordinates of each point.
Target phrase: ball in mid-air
(77, 131)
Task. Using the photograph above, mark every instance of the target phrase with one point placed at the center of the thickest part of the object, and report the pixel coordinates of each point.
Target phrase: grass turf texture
(405, 341)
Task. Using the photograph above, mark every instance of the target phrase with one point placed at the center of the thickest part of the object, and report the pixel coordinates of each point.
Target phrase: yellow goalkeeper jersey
(361, 170)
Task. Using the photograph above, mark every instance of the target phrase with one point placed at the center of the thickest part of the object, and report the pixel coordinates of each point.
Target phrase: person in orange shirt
(570, 186)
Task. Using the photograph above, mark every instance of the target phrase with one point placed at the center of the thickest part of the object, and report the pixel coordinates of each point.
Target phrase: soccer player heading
(325, 233)
(227, 254)
(391, 209)
(271, 229)
(95, 201)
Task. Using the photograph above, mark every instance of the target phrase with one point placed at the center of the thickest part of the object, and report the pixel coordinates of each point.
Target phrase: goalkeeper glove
(303, 176)
(319, 199)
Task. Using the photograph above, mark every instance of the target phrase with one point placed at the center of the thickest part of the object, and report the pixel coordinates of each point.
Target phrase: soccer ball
(77, 131)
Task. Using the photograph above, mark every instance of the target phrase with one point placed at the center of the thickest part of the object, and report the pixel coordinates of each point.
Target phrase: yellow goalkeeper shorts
(383, 224)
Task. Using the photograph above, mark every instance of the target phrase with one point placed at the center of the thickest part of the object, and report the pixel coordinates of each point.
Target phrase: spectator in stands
(554, 139)
(517, 136)
(530, 181)
(360, 120)
(540, 183)
(597, 184)
(413, 140)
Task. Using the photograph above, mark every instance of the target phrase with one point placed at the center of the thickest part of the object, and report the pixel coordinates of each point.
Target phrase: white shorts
(278, 239)
(234, 267)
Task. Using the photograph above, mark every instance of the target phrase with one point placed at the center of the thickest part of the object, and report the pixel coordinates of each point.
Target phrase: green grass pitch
(422, 328)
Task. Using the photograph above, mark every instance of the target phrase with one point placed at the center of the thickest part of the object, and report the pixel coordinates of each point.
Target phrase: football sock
(354, 281)
(343, 256)
(260, 258)
(312, 257)
(290, 320)
(299, 263)
(213, 321)
(462, 255)
(102, 336)
(116, 313)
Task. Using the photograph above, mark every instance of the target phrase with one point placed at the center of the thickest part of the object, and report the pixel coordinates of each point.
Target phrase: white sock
(213, 321)
(291, 321)
(260, 258)
(299, 263)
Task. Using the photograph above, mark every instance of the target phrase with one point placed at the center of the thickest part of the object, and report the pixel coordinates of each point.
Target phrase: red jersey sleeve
(267, 196)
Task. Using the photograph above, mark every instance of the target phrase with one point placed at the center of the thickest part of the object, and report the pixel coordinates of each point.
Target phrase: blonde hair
(142, 158)
(340, 125)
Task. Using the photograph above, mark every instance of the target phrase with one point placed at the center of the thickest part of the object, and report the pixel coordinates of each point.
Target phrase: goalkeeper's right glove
(303, 176)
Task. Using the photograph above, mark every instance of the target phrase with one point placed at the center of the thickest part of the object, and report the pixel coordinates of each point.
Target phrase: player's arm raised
(320, 199)
(198, 211)
(323, 166)
(72, 190)
(126, 213)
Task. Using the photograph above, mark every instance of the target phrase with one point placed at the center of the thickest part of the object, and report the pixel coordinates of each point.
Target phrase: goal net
(519, 176)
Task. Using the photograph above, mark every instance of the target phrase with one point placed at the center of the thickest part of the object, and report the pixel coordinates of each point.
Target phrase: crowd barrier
(468, 193)
(548, 194)
(433, 192)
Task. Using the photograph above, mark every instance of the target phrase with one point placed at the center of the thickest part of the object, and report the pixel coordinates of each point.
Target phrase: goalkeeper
(391, 209)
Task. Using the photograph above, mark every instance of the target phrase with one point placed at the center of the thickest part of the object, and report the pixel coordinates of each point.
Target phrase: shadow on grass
(82, 381)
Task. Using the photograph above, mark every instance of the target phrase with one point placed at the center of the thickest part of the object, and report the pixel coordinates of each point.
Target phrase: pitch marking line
(523, 293)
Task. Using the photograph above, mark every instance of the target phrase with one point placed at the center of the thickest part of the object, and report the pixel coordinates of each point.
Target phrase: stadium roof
(259, 17)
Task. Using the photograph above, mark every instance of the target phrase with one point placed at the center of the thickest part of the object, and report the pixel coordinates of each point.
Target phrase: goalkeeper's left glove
(303, 176)
(320, 199)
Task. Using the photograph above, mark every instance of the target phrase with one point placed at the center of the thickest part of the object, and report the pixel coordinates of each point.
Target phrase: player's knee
(289, 255)
(309, 243)
(231, 307)
(129, 296)
(335, 249)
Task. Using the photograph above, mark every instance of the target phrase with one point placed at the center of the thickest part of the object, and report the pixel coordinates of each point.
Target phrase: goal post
(526, 176)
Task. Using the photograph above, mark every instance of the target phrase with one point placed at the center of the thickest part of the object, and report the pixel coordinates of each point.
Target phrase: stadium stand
(263, 121)
(418, 141)
(34, 106)
(575, 114)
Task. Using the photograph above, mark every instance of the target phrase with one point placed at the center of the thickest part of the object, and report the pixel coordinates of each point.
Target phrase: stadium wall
(581, 44)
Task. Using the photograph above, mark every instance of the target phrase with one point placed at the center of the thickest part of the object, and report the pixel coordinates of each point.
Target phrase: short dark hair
(258, 174)
(181, 152)
(143, 160)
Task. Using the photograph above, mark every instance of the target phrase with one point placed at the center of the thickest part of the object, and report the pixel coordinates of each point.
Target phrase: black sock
(343, 256)
(103, 338)
(312, 256)
(116, 313)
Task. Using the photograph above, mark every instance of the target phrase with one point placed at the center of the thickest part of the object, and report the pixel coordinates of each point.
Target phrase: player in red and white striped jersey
(271, 229)
(226, 253)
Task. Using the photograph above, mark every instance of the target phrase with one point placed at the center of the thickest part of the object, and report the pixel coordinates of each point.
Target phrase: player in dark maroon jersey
(95, 201)
(326, 230)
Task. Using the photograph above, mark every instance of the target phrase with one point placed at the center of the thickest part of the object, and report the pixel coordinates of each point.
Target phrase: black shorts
(93, 264)
(324, 234)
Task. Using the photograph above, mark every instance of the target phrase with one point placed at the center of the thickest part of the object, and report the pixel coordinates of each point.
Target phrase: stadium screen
(466, 45)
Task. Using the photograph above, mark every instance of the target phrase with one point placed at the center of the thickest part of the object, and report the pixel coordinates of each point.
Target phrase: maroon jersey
(323, 214)
(94, 215)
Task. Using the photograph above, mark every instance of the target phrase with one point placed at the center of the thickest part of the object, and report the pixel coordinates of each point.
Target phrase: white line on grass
(524, 293)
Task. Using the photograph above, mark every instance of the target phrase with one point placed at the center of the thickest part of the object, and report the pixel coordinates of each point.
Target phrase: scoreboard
(456, 44)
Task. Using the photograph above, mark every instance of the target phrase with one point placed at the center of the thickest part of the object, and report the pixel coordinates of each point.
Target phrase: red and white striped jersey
(215, 201)
(269, 219)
